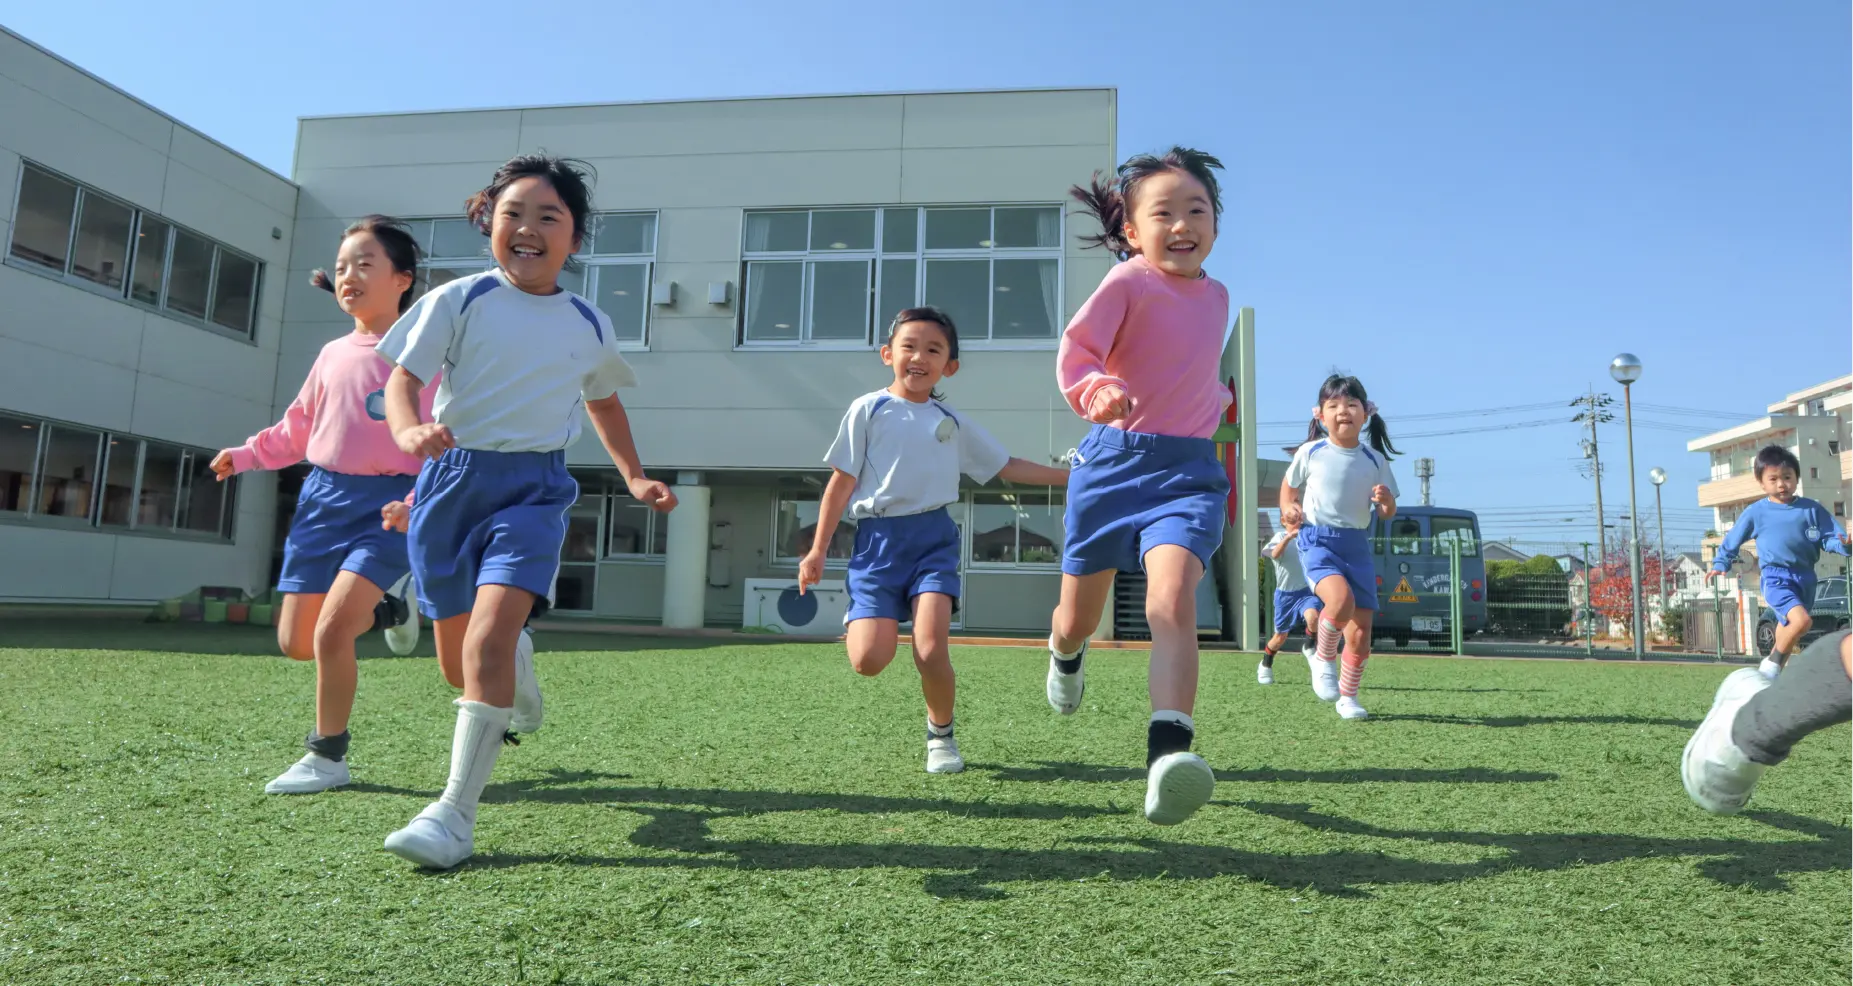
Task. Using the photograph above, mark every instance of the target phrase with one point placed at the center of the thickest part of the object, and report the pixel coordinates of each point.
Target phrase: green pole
(1454, 596)
(1589, 612)
(1717, 621)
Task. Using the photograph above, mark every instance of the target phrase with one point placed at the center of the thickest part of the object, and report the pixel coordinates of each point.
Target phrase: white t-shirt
(907, 457)
(1337, 482)
(516, 366)
(1289, 574)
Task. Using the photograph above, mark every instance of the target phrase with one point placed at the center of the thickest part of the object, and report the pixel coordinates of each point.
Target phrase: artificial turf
(759, 814)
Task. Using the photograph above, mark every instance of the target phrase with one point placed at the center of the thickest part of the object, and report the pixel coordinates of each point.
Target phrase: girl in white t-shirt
(895, 466)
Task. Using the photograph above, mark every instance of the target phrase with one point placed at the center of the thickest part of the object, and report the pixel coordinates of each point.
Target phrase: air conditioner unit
(776, 604)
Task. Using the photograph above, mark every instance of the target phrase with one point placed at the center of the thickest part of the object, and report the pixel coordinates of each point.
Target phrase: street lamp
(1626, 369)
(1658, 476)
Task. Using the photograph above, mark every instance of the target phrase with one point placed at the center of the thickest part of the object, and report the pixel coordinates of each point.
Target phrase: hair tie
(1370, 409)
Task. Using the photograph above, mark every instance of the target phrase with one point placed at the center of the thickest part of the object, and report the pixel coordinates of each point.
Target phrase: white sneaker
(1264, 674)
(310, 774)
(1176, 786)
(1325, 676)
(438, 838)
(943, 756)
(1718, 776)
(527, 715)
(1065, 690)
(1348, 708)
(403, 639)
(1769, 669)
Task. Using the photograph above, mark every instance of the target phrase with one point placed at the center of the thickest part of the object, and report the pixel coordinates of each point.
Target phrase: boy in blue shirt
(1790, 532)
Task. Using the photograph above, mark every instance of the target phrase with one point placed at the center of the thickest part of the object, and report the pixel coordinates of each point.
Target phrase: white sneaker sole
(1736, 689)
(1264, 676)
(1177, 785)
(308, 781)
(429, 842)
(1058, 689)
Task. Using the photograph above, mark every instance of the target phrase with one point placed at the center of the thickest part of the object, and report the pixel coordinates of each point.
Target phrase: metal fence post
(1589, 611)
(1717, 621)
(1456, 636)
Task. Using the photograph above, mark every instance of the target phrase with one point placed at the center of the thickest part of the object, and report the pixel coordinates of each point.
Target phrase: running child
(1294, 601)
(1140, 361)
(1790, 532)
(342, 574)
(1346, 487)
(519, 356)
(896, 463)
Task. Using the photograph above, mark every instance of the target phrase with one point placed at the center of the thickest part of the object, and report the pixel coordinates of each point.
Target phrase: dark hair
(1776, 457)
(1339, 385)
(571, 179)
(928, 313)
(1108, 200)
(395, 237)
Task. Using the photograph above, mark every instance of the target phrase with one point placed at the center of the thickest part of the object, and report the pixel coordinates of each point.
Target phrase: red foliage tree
(1611, 588)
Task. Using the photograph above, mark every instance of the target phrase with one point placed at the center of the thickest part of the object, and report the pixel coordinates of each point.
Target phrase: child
(1790, 532)
(341, 573)
(1753, 723)
(519, 356)
(1294, 600)
(1346, 487)
(896, 460)
(1140, 361)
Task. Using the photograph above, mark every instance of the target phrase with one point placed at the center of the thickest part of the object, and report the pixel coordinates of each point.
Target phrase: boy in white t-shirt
(897, 459)
(1294, 600)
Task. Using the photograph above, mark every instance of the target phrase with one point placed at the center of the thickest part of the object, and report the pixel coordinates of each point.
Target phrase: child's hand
(1713, 575)
(395, 516)
(1109, 404)
(221, 465)
(1381, 496)
(1292, 515)
(810, 571)
(426, 441)
(653, 494)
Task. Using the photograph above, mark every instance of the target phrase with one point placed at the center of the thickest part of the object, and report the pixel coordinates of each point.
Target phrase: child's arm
(1292, 514)
(829, 514)
(1385, 501)
(1833, 538)
(279, 446)
(1081, 360)
(1031, 474)
(413, 435)
(614, 431)
(1734, 539)
(1277, 546)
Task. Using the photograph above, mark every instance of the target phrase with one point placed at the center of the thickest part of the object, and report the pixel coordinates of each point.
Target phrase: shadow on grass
(678, 834)
(1464, 691)
(1048, 770)
(116, 632)
(1510, 722)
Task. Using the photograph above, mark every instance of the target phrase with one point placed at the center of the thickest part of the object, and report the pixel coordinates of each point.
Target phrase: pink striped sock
(1351, 673)
(1329, 640)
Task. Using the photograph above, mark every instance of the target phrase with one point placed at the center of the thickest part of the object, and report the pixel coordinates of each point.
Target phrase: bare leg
(450, 633)
(489, 644)
(1171, 576)
(296, 624)
(933, 654)
(1789, 637)
(1077, 616)
(346, 613)
(871, 643)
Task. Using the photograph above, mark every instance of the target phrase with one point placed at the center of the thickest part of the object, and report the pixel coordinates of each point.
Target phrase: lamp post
(1626, 369)
(1658, 476)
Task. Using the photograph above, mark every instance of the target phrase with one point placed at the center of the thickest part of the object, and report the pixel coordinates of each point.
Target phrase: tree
(1611, 589)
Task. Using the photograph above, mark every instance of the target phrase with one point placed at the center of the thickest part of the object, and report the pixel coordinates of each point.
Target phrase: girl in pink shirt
(1141, 361)
(340, 560)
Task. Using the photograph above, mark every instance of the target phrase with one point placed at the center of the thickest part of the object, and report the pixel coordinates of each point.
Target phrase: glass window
(958, 229)
(623, 233)
(1017, 528)
(962, 289)
(582, 528)
(1040, 535)
(67, 474)
(234, 291)
(189, 277)
(19, 451)
(119, 480)
(158, 499)
(204, 498)
(101, 252)
(774, 300)
(42, 225)
(636, 530)
(1026, 302)
(1405, 536)
(900, 230)
(777, 232)
(898, 292)
(1041, 227)
(452, 238)
(797, 529)
(1446, 529)
(622, 291)
(437, 277)
(840, 300)
(574, 588)
(843, 230)
(150, 260)
(994, 529)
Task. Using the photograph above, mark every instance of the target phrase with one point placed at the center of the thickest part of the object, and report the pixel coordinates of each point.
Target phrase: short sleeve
(851, 446)
(1279, 538)
(420, 340)
(1300, 469)
(613, 370)
(981, 456)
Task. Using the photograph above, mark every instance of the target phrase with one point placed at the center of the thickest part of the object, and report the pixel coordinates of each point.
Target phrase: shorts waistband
(903, 520)
(1335, 533)
(350, 480)
(502, 461)
(1139, 441)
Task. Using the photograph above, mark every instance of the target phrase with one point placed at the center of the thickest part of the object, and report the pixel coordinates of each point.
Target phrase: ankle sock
(1067, 663)
(328, 747)
(1169, 732)
(937, 731)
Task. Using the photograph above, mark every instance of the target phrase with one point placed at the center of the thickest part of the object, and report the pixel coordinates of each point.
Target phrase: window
(811, 275)
(85, 237)
(1833, 447)
(636, 531)
(1840, 506)
(795, 528)
(1405, 536)
(67, 472)
(205, 503)
(577, 583)
(1454, 529)
(1016, 528)
(159, 493)
(19, 451)
(1814, 472)
(86, 477)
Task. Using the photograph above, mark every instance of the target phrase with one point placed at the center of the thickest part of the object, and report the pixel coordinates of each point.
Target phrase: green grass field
(759, 814)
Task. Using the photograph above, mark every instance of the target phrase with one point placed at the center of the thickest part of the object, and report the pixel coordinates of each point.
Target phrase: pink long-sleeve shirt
(1159, 337)
(338, 421)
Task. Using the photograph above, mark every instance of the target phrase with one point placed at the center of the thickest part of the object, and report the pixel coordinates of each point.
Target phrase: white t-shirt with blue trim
(1337, 483)
(907, 457)
(516, 366)
(1289, 574)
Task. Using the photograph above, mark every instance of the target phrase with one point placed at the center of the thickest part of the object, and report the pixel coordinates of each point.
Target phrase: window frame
(776, 560)
(1058, 499)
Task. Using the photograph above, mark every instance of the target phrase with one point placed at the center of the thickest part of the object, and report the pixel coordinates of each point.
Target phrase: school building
(155, 306)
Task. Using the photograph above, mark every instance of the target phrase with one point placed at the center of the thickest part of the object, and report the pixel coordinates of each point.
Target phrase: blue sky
(1470, 205)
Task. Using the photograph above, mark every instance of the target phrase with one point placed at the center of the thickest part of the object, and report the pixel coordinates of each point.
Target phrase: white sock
(934, 729)
(1058, 652)
(472, 754)
(1770, 667)
(1172, 715)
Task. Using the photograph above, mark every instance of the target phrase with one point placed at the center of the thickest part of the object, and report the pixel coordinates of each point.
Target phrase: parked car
(1829, 612)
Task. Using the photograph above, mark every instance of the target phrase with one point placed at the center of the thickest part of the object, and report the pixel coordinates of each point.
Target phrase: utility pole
(1424, 471)
(1595, 411)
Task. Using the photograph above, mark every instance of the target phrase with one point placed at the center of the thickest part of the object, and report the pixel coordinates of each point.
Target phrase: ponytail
(1106, 200)
(1380, 437)
(1101, 199)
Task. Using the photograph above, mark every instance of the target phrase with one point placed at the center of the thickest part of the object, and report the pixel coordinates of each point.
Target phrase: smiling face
(1171, 222)
(531, 235)
(1344, 419)
(1779, 482)
(921, 354)
(366, 285)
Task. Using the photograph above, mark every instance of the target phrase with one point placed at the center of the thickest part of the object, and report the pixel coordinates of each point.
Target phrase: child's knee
(1074, 626)
(872, 661)
(1801, 620)
(1171, 610)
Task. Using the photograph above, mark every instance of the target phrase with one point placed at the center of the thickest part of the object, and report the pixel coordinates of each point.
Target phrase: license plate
(1426, 624)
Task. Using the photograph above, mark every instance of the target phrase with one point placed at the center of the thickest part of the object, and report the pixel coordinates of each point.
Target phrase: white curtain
(1051, 271)
(1049, 228)
(758, 232)
(755, 292)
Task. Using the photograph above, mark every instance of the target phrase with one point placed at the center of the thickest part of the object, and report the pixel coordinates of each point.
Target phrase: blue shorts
(1326, 551)
(1289, 605)
(488, 518)
(898, 558)
(337, 529)
(1130, 492)
(1786, 588)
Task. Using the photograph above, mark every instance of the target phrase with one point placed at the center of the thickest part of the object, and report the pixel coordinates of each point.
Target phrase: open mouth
(526, 252)
(1182, 247)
